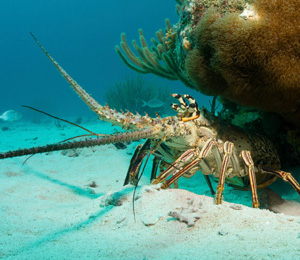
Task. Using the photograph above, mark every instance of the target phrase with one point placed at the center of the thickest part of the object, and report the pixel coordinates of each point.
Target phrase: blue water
(81, 36)
(40, 213)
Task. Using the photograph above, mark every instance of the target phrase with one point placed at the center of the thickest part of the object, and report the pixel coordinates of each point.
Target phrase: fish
(154, 102)
(11, 115)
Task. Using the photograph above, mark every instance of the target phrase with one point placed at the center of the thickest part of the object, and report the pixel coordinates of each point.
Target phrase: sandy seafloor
(48, 210)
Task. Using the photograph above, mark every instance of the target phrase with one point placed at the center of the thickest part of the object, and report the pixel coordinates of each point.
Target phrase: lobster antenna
(71, 138)
(137, 183)
(66, 121)
(92, 133)
(170, 164)
(27, 159)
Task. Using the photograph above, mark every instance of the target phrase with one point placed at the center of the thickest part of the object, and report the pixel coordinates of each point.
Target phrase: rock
(112, 198)
(190, 214)
(272, 201)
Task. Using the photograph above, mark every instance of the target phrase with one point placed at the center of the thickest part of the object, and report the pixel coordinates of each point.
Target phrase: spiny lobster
(193, 140)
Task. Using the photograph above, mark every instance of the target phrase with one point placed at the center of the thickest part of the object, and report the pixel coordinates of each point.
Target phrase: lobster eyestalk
(109, 139)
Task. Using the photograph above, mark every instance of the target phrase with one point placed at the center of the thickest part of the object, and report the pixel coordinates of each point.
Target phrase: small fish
(154, 102)
(11, 115)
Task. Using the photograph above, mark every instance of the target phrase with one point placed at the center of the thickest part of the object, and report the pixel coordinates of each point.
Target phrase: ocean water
(52, 207)
(81, 36)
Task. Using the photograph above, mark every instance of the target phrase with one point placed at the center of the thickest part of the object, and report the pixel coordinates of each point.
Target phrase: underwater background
(81, 36)
(72, 204)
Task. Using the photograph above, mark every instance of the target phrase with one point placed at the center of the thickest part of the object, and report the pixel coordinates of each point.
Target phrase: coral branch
(158, 59)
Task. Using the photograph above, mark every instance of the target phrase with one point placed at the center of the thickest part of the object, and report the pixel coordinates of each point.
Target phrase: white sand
(48, 210)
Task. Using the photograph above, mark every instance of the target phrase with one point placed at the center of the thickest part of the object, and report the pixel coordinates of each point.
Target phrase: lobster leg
(246, 156)
(180, 166)
(155, 164)
(176, 166)
(228, 147)
(133, 164)
(136, 162)
(209, 184)
(175, 177)
(286, 176)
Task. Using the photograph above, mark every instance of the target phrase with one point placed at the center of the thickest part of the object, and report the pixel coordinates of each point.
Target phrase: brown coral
(253, 62)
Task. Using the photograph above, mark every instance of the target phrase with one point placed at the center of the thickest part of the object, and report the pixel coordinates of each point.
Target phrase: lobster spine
(115, 138)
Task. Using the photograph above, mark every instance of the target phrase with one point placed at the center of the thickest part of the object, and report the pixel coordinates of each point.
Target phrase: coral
(252, 61)
(190, 13)
(159, 59)
(190, 214)
(131, 92)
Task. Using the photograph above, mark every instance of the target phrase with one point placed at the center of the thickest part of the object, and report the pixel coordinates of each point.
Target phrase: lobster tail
(114, 138)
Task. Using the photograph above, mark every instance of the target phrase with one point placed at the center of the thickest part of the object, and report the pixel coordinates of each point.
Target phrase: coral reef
(130, 93)
(253, 61)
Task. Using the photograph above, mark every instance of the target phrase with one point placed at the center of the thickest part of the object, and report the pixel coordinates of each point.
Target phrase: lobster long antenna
(137, 183)
(66, 121)
(90, 101)
(40, 111)
(170, 164)
(27, 159)
(109, 139)
(77, 136)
